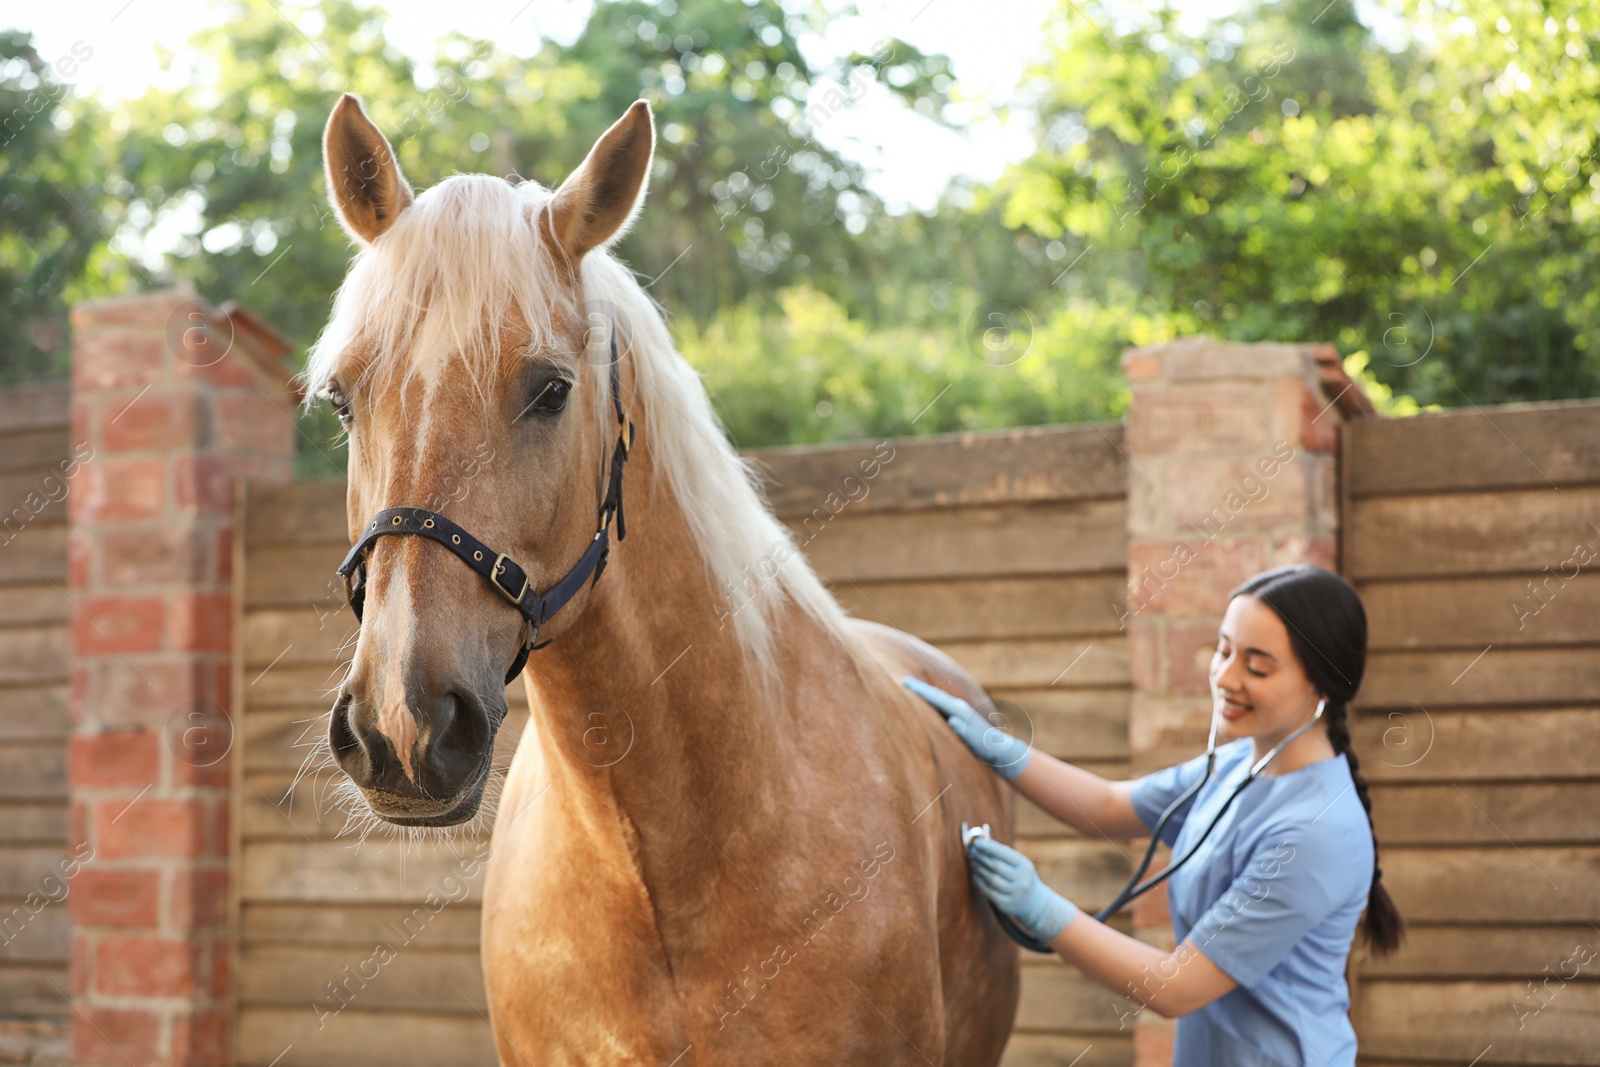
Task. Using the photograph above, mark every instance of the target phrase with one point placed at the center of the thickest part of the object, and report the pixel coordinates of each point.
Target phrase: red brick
(1144, 652)
(1197, 420)
(80, 558)
(200, 622)
(252, 422)
(200, 1039)
(1320, 429)
(199, 898)
(205, 483)
(1141, 368)
(85, 419)
(127, 899)
(1153, 1040)
(119, 489)
(118, 625)
(115, 1037)
(148, 967)
(1151, 910)
(150, 826)
(159, 692)
(113, 759)
(220, 549)
(117, 359)
(156, 555)
(80, 973)
(148, 420)
(1221, 496)
(1199, 586)
(77, 694)
(1188, 655)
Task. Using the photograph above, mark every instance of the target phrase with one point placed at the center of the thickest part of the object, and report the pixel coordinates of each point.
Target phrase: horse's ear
(599, 199)
(365, 185)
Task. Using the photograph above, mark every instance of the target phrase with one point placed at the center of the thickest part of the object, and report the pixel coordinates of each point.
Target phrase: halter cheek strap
(509, 578)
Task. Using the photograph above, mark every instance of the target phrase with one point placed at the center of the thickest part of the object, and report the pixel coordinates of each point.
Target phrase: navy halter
(508, 577)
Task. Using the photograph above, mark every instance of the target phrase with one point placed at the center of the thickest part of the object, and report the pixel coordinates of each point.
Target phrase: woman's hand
(1006, 754)
(1008, 878)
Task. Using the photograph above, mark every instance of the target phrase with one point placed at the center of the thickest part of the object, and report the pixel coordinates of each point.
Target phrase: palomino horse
(770, 870)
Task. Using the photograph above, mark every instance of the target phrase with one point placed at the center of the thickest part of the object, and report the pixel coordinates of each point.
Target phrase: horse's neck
(646, 702)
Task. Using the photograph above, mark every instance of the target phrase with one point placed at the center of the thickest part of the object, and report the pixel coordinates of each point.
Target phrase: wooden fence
(1472, 537)
(34, 614)
(1007, 550)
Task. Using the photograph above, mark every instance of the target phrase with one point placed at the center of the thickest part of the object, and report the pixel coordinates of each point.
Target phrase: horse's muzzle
(449, 758)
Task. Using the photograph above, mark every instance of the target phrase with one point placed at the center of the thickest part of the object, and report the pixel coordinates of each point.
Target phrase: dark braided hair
(1328, 631)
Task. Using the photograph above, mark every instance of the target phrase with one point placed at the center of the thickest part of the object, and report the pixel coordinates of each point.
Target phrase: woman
(1266, 908)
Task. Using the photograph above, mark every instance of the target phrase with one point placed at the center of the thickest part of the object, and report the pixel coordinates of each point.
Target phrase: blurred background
(858, 208)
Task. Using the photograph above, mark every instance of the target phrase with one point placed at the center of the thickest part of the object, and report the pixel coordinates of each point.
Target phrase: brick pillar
(173, 401)
(1232, 471)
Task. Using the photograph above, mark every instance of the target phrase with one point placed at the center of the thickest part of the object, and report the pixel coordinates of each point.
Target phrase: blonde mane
(465, 253)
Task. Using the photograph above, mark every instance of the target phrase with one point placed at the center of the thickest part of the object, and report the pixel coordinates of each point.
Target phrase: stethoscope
(1135, 887)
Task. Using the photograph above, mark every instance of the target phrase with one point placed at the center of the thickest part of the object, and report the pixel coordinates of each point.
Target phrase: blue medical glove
(1008, 878)
(1006, 754)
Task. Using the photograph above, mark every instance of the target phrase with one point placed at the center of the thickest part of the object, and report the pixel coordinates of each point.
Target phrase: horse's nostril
(341, 735)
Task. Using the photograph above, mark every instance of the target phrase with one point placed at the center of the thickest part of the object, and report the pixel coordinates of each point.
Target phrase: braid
(1384, 928)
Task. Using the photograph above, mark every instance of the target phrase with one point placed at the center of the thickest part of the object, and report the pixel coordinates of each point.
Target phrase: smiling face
(1257, 681)
(468, 381)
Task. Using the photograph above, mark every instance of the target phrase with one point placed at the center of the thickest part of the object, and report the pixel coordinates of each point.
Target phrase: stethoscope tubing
(1135, 888)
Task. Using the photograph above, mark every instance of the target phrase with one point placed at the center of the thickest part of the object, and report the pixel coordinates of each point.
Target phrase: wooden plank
(1470, 613)
(1478, 1021)
(1526, 952)
(296, 575)
(1067, 663)
(36, 406)
(1062, 1050)
(1094, 869)
(1511, 532)
(1034, 464)
(411, 979)
(1420, 745)
(300, 636)
(33, 822)
(44, 448)
(1011, 540)
(359, 925)
(1485, 885)
(33, 495)
(35, 933)
(34, 989)
(26, 867)
(1499, 447)
(291, 1037)
(38, 553)
(1527, 813)
(374, 873)
(1058, 998)
(33, 712)
(33, 655)
(28, 605)
(33, 771)
(301, 513)
(1074, 724)
(1518, 677)
(993, 608)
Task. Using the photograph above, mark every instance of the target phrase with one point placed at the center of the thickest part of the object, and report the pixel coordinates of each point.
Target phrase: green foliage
(1426, 201)
(1285, 177)
(48, 227)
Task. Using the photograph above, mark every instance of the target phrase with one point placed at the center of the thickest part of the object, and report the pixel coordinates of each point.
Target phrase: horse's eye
(552, 398)
(334, 395)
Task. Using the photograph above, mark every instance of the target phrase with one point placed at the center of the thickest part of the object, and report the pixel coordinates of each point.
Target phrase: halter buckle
(494, 576)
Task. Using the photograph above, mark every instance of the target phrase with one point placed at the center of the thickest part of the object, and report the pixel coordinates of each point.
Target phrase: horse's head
(474, 384)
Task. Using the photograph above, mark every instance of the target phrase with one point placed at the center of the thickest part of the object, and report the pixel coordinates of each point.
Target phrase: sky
(910, 159)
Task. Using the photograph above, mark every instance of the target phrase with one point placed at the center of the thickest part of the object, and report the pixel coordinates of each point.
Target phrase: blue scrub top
(1272, 898)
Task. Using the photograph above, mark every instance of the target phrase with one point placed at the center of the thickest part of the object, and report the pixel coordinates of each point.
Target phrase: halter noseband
(507, 576)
